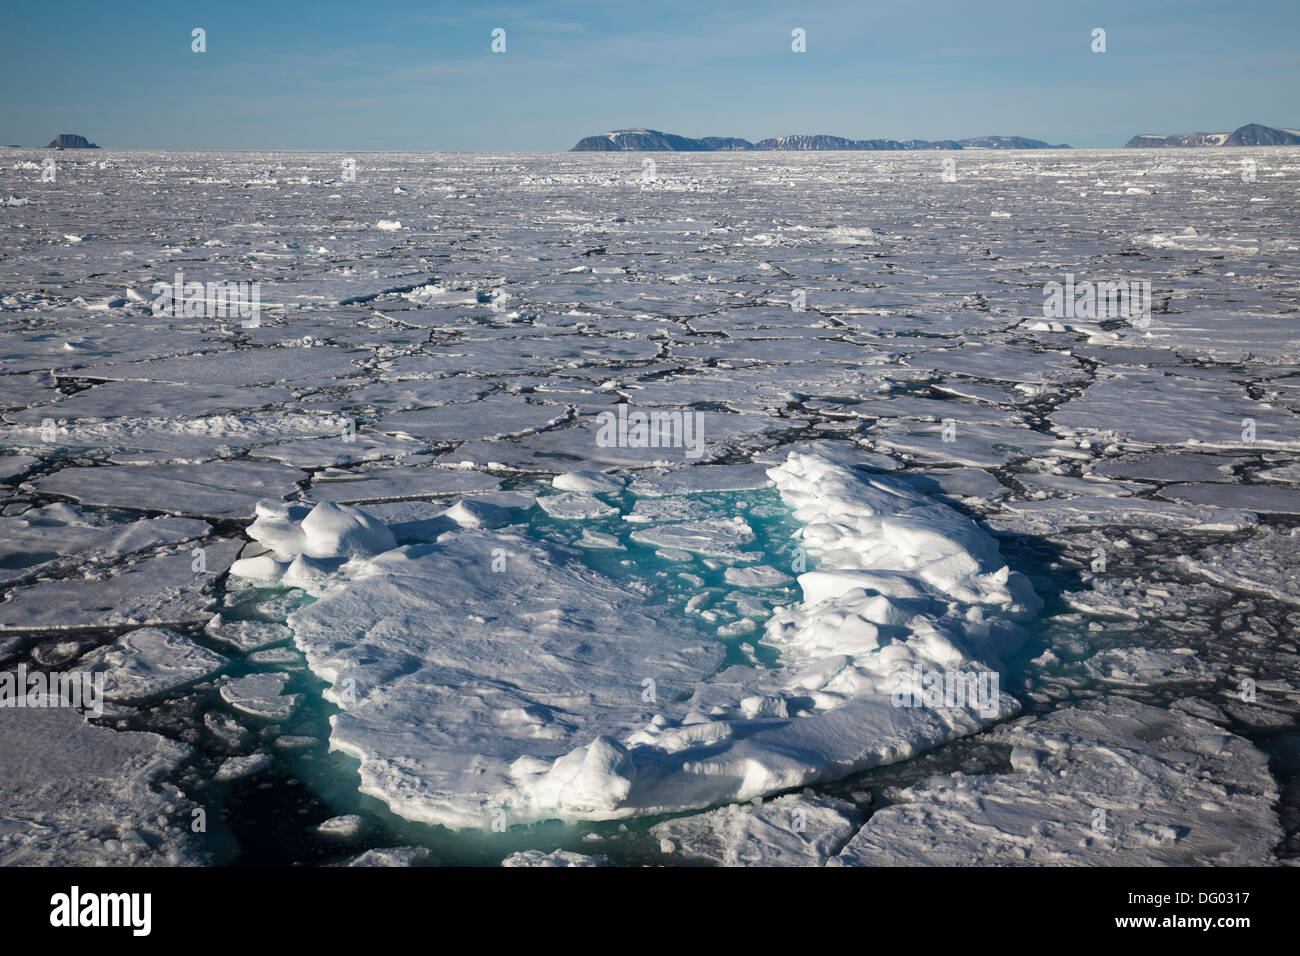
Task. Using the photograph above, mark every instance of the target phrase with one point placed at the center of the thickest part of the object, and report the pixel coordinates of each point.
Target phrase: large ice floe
(491, 673)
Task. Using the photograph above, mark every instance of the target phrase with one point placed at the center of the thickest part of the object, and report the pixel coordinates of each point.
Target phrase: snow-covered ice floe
(79, 795)
(1112, 783)
(798, 829)
(541, 689)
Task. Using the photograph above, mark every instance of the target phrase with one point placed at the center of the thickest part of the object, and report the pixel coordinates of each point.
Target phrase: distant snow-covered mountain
(653, 140)
(726, 142)
(822, 141)
(1007, 142)
(649, 140)
(1252, 134)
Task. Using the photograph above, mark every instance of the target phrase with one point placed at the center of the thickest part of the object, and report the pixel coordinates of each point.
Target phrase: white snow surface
(798, 829)
(75, 794)
(1114, 783)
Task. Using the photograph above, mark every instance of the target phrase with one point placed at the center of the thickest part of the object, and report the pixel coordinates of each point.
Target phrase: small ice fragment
(236, 768)
(261, 695)
(589, 481)
(762, 576)
(556, 858)
(596, 540)
(575, 505)
(347, 827)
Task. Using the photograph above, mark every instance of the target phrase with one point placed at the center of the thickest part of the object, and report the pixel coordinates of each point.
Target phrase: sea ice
(716, 537)
(149, 662)
(219, 489)
(588, 481)
(347, 827)
(238, 768)
(1111, 783)
(575, 505)
(75, 794)
(556, 858)
(793, 830)
(927, 399)
(162, 590)
(904, 583)
(261, 696)
(760, 576)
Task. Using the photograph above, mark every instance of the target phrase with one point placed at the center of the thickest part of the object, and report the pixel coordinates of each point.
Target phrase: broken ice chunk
(716, 537)
(261, 695)
(596, 540)
(236, 768)
(150, 662)
(761, 576)
(575, 505)
(589, 481)
(556, 858)
(347, 827)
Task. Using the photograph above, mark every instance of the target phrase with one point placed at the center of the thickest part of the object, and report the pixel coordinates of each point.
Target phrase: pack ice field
(580, 509)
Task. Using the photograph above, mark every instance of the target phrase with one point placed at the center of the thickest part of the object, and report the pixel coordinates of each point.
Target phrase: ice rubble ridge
(301, 545)
(903, 585)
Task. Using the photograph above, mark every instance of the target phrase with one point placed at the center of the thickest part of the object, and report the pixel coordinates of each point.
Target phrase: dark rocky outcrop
(726, 142)
(655, 141)
(1007, 142)
(648, 140)
(1255, 134)
(71, 141)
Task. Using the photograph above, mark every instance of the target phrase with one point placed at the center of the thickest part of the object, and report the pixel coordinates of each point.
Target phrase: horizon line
(651, 129)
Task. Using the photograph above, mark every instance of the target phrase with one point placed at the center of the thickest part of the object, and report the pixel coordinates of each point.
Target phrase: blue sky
(421, 76)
